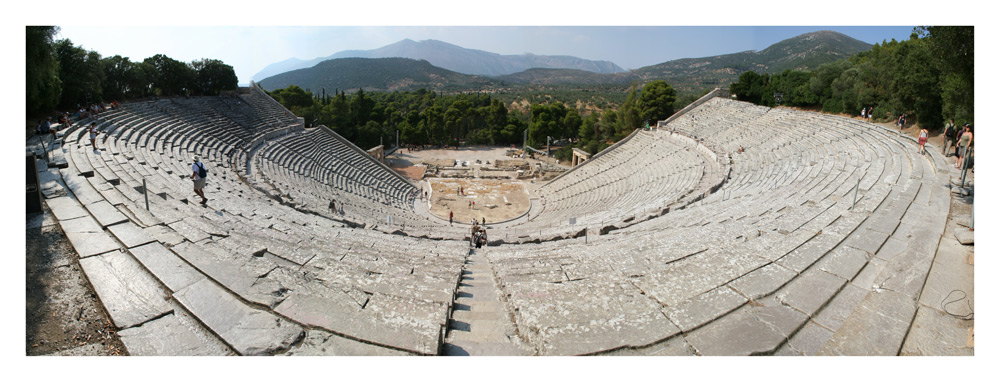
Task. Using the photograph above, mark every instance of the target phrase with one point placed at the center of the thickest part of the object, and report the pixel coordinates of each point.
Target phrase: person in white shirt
(93, 135)
(199, 181)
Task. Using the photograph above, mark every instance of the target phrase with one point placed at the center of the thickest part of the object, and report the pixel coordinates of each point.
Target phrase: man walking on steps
(949, 136)
(198, 173)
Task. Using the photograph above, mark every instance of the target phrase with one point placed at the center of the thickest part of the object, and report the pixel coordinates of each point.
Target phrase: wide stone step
(129, 293)
(248, 330)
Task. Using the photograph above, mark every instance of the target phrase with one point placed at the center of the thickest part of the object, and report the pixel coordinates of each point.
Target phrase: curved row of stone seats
(267, 110)
(316, 154)
(222, 127)
(788, 264)
(253, 274)
(313, 168)
(644, 176)
(230, 275)
(612, 185)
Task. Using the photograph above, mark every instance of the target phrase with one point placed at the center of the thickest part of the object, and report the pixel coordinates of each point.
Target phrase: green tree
(546, 121)
(790, 84)
(608, 126)
(43, 87)
(749, 88)
(293, 96)
(821, 80)
(116, 76)
(361, 108)
(954, 53)
(434, 126)
(571, 124)
(80, 72)
(656, 102)
(170, 77)
(214, 76)
(336, 115)
(587, 131)
(629, 118)
(139, 80)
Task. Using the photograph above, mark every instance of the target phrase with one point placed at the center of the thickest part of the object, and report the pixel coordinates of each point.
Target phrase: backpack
(202, 172)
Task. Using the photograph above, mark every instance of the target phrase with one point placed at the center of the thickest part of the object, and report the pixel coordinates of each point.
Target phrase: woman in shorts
(922, 140)
(93, 135)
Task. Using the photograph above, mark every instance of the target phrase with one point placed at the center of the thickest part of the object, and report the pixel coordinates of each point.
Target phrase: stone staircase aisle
(480, 324)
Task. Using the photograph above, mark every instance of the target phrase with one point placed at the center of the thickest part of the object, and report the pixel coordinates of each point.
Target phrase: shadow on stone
(460, 325)
(450, 349)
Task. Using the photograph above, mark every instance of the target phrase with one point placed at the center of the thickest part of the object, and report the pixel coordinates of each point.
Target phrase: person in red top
(922, 140)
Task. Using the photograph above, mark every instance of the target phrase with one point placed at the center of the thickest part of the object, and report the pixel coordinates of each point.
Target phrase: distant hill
(376, 74)
(452, 57)
(539, 76)
(803, 52)
(689, 75)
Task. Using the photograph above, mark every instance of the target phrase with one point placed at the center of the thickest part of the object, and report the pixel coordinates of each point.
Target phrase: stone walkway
(479, 324)
(787, 258)
(944, 322)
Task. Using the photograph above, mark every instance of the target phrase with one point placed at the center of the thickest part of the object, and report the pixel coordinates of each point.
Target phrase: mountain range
(376, 74)
(689, 75)
(451, 57)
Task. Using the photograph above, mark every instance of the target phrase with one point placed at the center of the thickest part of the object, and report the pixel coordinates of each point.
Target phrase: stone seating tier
(779, 259)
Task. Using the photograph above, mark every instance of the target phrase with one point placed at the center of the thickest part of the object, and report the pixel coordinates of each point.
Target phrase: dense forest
(62, 75)
(929, 77)
(424, 117)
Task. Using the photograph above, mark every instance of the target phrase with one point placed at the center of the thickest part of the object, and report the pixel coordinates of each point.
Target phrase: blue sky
(251, 34)
(250, 49)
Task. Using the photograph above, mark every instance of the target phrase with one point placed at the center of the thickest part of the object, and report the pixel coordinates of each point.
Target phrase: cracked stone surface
(247, 330)
(172, 335)
(763, 255)
(127, 291)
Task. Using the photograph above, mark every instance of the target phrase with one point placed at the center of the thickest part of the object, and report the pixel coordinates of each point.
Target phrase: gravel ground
(63, 315)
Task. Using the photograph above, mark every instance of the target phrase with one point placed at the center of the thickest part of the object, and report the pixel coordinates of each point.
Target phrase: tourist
(333, 205)
(870, 113)
(45, 127)
(948, 139)
(451, 216)
(964, 141)
(921, 141)
(93, 135)
(864, 112)
(199, 175)
(901, 121)
(961, 131)
(484, 221)
(480, 237)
